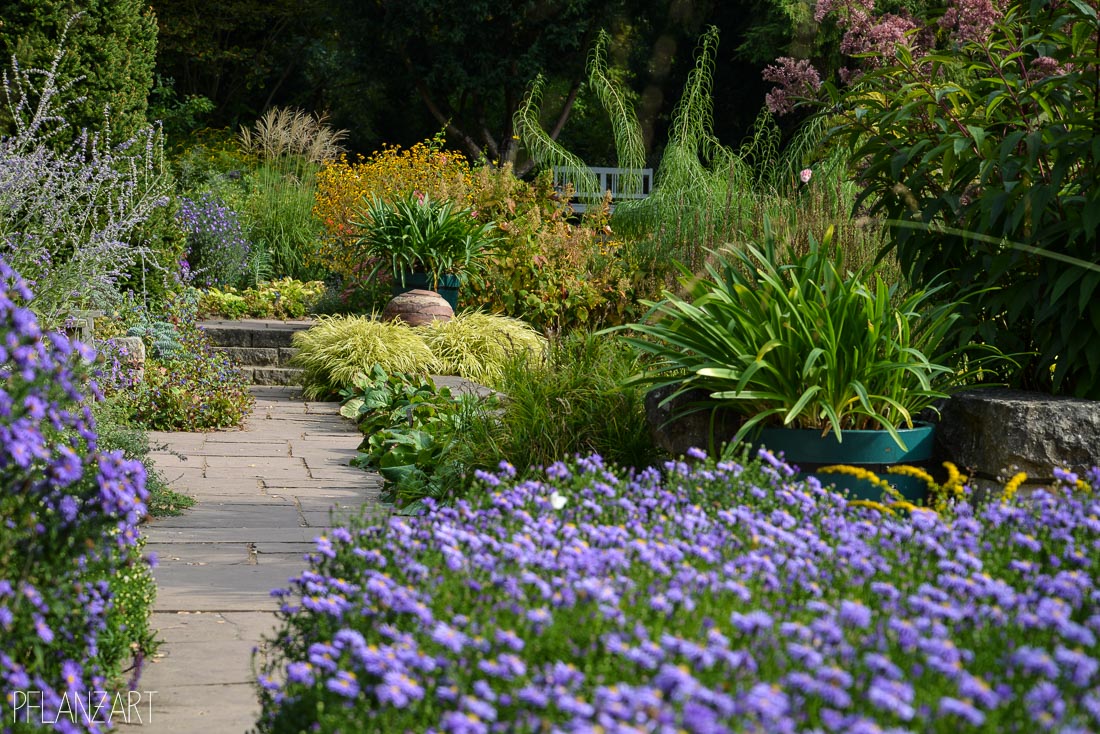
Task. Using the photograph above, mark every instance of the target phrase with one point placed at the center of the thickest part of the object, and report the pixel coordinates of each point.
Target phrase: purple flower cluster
(705, 598)
(796, 78)
(218, 251)
(66, 507)
(69, 215)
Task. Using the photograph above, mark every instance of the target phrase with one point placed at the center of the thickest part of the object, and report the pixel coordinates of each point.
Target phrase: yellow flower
(1013, 486)
(912, 471)
(865, 475)
(872, 505)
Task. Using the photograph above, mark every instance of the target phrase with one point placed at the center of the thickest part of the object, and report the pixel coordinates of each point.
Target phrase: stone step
(262, 347)
(253, 333)
(272, 375)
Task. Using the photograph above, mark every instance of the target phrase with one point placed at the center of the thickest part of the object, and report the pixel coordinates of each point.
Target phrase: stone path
(264, 493)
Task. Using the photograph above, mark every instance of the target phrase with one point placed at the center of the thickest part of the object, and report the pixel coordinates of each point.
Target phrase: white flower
(557, 501)
(806, 175)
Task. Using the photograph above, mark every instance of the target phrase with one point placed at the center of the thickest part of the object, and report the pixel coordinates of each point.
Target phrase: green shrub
(555, 274)
(286, 298)
(986, 154)
(572, 400)
(112, 44)
(193, 389)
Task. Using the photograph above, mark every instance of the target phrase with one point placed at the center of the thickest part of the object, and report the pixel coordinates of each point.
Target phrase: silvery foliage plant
(67, 212)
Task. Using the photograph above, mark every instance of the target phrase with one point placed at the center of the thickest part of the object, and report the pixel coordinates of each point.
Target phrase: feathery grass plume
(338, 348)
(629, 148)
(548, 153)
(479, 346)
(284, 131)
(691, 199)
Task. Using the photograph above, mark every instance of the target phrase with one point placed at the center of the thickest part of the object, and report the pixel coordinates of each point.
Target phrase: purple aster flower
(457, 722)
(953, 707)
(450, 638)
(854, 614)
(343, 683)
(398, 689)
(892, 696)
(300, 672)
(752, 622)
(43, 630)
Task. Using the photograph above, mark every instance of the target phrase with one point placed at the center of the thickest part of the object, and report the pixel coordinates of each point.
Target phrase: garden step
(272, 375)
(253, 333)
(262, 347)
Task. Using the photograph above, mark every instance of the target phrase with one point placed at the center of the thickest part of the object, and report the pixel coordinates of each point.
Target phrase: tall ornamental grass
(710, 598)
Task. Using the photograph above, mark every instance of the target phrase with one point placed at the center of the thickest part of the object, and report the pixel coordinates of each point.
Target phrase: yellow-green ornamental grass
(473, 345)
(477, 345)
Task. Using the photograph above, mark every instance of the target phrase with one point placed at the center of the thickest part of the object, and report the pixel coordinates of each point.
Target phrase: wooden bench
(607, 179)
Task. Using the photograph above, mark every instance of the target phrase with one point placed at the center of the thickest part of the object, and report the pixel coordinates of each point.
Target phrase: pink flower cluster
(969, 20)
(795, 77)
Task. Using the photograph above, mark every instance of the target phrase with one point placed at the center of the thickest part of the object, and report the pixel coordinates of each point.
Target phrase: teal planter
(448, 286)
(808, 450)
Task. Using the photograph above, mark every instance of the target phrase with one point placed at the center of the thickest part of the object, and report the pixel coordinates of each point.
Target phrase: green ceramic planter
(808, 450)
(448, 286)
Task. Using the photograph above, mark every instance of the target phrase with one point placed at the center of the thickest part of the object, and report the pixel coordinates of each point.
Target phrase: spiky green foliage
(338, 348)
(478, 346)
(629, 147)
(573, 399)
(548, 153)
(698, 176)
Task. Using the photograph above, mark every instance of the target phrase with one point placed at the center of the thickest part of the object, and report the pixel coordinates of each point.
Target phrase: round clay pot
(418, 307)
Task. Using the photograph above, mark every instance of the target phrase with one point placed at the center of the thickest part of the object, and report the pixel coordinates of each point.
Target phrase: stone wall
(993, 433)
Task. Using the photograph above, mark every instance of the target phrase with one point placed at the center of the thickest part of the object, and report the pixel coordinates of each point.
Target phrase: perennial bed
(706, 598)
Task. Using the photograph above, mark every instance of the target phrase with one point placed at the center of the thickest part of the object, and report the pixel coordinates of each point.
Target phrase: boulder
(134, 350)
(418, 307)
(994, 433)
(677, 435)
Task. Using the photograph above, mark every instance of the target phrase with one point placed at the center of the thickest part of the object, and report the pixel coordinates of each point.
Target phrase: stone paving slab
(252, 449)
(248, 461)
(219, 587)
(235, 516)
(197, 708)
(294, 534)
(264, 494)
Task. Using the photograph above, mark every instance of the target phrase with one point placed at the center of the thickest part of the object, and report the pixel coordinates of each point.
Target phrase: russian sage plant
(70, 515)
(66, 215)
